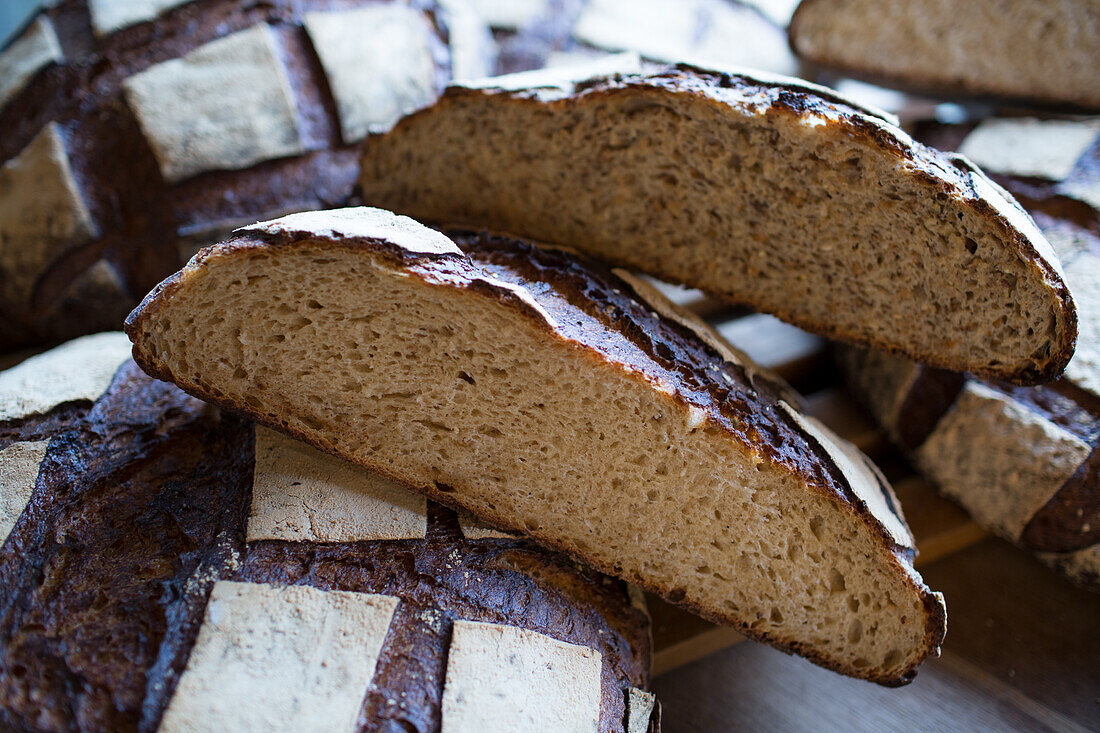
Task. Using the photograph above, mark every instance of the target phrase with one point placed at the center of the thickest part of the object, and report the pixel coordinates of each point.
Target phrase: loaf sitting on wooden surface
(768, 192)
(135, 132)
(167, 567)
(544, 394)
(1043, 52)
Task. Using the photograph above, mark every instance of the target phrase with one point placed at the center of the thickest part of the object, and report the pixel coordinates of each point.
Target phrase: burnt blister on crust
(141, 505)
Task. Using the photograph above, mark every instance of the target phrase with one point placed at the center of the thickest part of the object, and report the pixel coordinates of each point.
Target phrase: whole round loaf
(137, 130)
(170, 567)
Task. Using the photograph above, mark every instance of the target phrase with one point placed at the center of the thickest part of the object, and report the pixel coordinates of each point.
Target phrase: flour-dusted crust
(19, 463)
(1028, 146)
(376, 225)
(1083, 278)
(215, 82)
(501, 677)
(640, 144)
(31, 52)
(176, 165)
(300, 494)
(1028, 458)
(639, 710)
(378, 61)
(109, 16)
(137, 471)
(42, 214)
(560, 300)
(78, 371)
(280, 659)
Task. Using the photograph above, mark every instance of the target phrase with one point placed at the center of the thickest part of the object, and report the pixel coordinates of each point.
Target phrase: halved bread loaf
(1021, 49)
(768, 192)
(539, 392)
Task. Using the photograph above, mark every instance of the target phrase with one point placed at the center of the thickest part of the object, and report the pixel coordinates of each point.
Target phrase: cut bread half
(1043, 52)
(540, 392)
(768, 192)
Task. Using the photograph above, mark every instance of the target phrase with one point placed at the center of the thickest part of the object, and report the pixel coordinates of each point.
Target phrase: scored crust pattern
(130, 116)
(121, 486)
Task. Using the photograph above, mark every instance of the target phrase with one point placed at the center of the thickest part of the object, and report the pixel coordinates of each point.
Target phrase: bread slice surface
(1041, 52)
(768, 192)
(538, 391)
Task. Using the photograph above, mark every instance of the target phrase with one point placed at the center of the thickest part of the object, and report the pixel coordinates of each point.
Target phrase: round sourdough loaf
(169, 567)
(137, 130)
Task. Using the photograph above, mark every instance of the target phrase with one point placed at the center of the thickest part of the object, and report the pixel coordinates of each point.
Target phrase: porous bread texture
(427, 369)
(1043, 51)
(763, 193)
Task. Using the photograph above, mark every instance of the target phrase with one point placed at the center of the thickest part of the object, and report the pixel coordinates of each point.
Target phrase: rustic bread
(537, 391)
(1023, 461)
(136, 131)
(700, 178)
(1042, 52)
(129, 603)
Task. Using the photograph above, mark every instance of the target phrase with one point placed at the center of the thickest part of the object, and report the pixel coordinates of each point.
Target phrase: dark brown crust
(561, 283)
(1070, 520)
(947, 176)
(99, 604)
(918, 85)
(141, 219)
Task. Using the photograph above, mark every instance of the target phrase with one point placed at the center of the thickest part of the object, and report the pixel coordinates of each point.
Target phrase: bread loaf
(1041, 52)
(168, 567)
(540, 392)
(701, 178)
(136, 131)
(1023, 461)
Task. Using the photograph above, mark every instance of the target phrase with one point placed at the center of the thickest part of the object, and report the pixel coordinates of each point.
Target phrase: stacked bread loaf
(424, 463)
(137, 131)
(1023, 461)
(167, 566)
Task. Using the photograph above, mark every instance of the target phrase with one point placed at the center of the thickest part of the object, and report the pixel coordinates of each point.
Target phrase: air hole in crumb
(466, 378)
(971, 245)
(816, 525)
(776, 616)
(855, 631)
(836, 581)
(892, 658)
